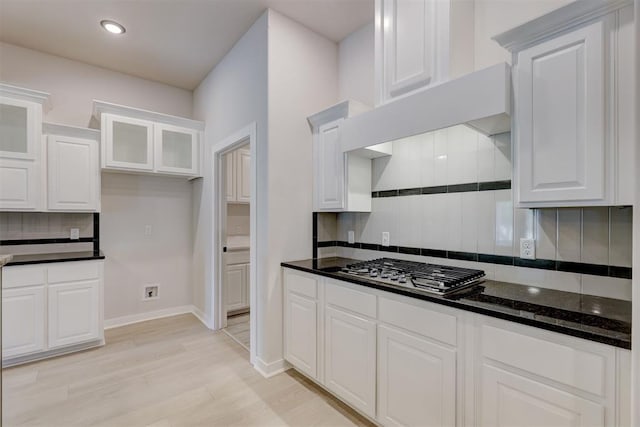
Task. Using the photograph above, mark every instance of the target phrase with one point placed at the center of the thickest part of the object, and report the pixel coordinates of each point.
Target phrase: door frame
(230, 143)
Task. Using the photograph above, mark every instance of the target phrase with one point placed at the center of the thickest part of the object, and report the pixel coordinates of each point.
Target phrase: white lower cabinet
(236, 280)
(47, 308)
(509, 399)
(405, 362)
(416, 380)
(350, 358)
(23, 320)
(73, 317)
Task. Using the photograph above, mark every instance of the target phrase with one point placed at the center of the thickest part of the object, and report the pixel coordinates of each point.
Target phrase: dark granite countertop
(603, 320)
(54, 257)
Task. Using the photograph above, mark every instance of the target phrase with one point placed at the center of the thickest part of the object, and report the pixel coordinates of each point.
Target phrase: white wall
(356, 71)
(129, 202)
(303, 79)
(133, 259)
(74, 85)
(496, 16)
(233, 95)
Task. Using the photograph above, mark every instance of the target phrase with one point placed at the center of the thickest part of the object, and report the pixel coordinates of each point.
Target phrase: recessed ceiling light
(112, 27)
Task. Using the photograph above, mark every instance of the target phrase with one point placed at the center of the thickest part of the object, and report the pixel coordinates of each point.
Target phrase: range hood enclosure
(481, 100)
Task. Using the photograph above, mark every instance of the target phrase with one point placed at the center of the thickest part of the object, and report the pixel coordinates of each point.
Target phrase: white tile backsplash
(595, 235)
(486, 222)
(43, 225)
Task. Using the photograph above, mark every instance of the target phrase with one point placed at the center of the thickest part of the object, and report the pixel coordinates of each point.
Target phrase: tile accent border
(440, 189)
(543, 264)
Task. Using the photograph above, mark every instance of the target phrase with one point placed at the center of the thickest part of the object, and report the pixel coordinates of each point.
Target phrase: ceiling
(176, 42)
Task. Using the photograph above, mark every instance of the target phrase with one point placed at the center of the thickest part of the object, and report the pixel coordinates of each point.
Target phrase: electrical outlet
(385, 238)
(150, 292)
(148, 230)
(351, 237)
(74, 233)
(527, 249)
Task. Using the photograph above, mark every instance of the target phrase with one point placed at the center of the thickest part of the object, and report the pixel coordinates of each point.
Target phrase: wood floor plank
(161, 373)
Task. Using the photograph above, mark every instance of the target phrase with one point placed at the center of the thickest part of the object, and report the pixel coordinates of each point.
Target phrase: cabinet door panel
(19, 184)
(20, 128)
(416, 381)
(23, 326)
(562, 144)
(243, 176)
(330, 167)
(230, 173)
(74, 313)
(350, 359)
(301, 328)
(509, 400)
(128, 143)
(176, 150)
(73, 174)
(235, 283)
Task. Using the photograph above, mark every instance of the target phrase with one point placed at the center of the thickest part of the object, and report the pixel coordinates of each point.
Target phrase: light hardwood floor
(238, 328)
(166, 372)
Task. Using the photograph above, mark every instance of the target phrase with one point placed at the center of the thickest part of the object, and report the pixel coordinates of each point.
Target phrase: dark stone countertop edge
(51, 258)
(616, 342)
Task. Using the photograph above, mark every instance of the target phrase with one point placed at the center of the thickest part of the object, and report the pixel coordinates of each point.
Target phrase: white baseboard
(202, 317)
(150, 315)
(268, 370)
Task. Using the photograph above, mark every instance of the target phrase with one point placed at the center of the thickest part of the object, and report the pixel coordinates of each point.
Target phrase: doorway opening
(234, 237)
(236, 249)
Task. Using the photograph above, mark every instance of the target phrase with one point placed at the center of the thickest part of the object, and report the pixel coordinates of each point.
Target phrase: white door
(329, 162)
(176, 150)
(561, 145)
(416, 381)
(230, 172)
(301, 333)
(74, 313)
(127, 142)
(243, 175)
(235, 284)
(350, 359)
(511, 400)
(23, 323)
(19, 184)
(73, 174)
(20, 129)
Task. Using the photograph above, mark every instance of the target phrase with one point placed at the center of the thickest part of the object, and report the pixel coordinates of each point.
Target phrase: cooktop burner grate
(434, 278)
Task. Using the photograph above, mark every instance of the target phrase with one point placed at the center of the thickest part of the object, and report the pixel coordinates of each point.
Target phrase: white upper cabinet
(238, 173)
(176, 149)
(127, 142)
(135, 140)
(413, 44)
(341, 181)
(20, 148)
(73, 168)
(566, 135)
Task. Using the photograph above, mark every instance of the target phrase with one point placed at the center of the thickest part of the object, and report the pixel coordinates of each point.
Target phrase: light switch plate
(351, 237)
(527, 249)
(74, 233)
(385, 238)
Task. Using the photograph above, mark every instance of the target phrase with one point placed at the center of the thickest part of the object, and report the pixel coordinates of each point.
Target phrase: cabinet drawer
(301, 283)
(240, 257)
(27, 275)
(73, 271)
(356, 301)
(567, 364)
(423, 321)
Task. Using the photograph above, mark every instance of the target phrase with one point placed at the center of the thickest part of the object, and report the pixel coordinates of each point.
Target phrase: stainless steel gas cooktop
(432, 278)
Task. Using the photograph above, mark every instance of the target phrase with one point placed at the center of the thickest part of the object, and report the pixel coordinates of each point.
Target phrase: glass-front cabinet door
(128, 143)
(176, 149)
(20, 130)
